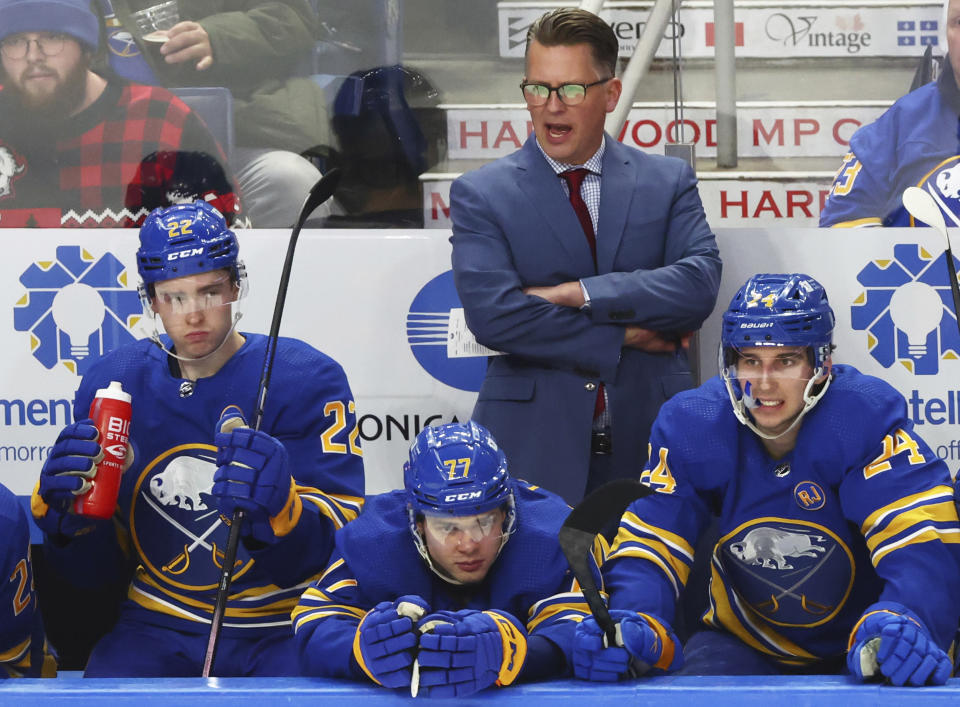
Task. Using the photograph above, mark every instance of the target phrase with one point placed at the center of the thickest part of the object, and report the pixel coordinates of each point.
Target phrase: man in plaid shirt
(81, 150)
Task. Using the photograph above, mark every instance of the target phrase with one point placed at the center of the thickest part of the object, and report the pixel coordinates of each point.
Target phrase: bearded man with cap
(79, 149)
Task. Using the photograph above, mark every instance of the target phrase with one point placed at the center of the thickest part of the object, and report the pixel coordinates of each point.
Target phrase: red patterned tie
(574, 178)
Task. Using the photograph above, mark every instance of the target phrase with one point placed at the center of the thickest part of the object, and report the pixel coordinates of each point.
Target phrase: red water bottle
(110, 412)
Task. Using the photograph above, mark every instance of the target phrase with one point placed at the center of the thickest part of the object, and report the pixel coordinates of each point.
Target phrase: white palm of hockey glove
(891, 642)
(385, 643)
(462, 652)
(253, 473)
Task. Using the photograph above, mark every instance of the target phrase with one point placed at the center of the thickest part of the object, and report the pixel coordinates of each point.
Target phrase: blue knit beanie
(71, 17)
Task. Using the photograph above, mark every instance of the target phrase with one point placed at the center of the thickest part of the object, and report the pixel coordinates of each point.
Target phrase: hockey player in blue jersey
(838, 536)
(23, 651)
(914, 143)
(298, 479)
(450, 585)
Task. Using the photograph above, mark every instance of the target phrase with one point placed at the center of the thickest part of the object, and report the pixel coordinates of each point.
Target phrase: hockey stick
(923, 207)
(579, 532)
(319, 193)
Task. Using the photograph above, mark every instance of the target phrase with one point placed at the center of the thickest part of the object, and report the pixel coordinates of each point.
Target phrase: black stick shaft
(954, 285)
(320, 192)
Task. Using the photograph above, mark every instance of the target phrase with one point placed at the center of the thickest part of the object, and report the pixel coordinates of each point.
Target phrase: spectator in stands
(594, 328)
(454, 582)
(254, 47)
(395, 134)
(23, 650)
(74, 145)
(914, 143)
(838, 537)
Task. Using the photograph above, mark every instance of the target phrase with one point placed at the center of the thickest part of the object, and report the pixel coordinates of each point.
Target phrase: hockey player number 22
(893, 445)
(339, 412)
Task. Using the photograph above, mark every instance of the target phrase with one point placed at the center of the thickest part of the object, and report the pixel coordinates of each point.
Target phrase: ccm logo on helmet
(184, 253)
(462, 496)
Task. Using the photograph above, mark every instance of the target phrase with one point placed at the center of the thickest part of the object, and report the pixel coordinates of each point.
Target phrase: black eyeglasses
(17, 46)
(570, 94)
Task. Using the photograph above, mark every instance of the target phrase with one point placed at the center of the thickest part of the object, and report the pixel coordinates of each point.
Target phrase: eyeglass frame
(6, 44)
(552, 89)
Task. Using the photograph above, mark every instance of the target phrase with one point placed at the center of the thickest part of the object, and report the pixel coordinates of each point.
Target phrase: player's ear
(613, 89)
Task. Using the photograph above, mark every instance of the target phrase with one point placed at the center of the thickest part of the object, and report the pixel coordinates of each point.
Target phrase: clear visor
(173, 297)
(756, 363)
(454, 530)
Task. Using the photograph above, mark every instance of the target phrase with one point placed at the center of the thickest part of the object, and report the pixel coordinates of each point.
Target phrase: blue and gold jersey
(860, 511)
(23, 650)
(167, 523)
(375, 560)
(914, 143)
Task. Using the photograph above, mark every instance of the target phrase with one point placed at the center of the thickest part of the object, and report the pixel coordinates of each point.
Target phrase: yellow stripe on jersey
(937, 493)
(341, 584)
(333, 567)
(16, 653)
(600, 550)
(158, 601)
(305, 613)
(552, 607)
(677, 542)
(937, 512)
(923, 535)
(340, 509)
(859, 223)
(750, 632)
(671, 553)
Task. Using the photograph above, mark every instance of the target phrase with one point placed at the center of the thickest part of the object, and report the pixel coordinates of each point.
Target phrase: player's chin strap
(155, 338)
(748, 402)
(509, 525)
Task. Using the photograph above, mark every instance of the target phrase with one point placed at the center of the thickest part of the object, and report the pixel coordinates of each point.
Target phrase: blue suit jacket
(657, 267)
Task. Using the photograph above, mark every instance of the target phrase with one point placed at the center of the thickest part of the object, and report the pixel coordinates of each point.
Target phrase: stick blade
(593, 512)
(922, 207)
(579, 531)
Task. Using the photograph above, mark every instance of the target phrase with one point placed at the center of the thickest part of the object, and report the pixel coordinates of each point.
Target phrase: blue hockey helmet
(777, 310)
(456, 469)
(780, 310)
(185, 239)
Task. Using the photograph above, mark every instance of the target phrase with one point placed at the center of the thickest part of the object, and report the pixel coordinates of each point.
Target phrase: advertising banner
(809, 129)
(754, 199)
(783, 30)
(379, 302)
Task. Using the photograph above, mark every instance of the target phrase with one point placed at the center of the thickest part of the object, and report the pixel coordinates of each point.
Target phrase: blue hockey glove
(253, 473)
(385, 644)
(65, 475)
(644, 643)
(462, 652)
(891, 641)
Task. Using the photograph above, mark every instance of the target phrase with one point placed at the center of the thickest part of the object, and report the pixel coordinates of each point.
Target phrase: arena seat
(214, 104)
